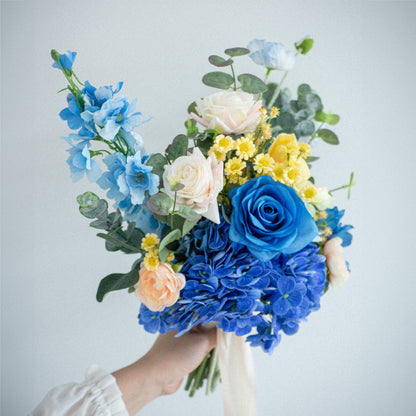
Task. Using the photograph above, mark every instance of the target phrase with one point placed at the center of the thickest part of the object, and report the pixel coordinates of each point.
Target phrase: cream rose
(334, 253)
(229, 112)
(202, 179)
(159, 288)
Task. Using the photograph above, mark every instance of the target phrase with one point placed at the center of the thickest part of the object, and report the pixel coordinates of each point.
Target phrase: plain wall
(356, 355)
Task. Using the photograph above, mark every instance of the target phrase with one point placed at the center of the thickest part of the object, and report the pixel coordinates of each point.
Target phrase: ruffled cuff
(105, 393)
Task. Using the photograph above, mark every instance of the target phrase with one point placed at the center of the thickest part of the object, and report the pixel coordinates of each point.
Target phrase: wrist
(139, 384)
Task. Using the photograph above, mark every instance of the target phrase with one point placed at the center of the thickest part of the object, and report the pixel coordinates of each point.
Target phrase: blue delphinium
(333, 227)
(129, 181)
(66, 60)
(80, 163)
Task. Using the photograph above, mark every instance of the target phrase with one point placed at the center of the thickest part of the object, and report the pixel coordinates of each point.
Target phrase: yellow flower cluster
(150, 243)
(291, 169)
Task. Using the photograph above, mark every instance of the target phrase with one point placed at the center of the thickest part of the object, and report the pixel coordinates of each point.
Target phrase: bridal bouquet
(226, 225)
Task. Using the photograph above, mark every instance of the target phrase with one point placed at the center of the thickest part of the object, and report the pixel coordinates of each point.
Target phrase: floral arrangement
(226, 226)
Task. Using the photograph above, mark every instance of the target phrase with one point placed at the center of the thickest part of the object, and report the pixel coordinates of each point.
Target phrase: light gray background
(354, 357)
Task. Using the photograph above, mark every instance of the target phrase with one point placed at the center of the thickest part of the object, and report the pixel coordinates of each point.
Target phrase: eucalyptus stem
(314, 136)
(276, 92)
(235, 82)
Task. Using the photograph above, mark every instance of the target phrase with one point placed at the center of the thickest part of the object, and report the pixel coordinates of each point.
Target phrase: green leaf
(177, 187)
(311, 159)
(178, 147)
(220, 62)
(118, 281)
(304, 45)
(320, 116)
(188, 225)
(169, 238)
(217, 79)
(164, 219)
(332, 119)
(268, 94)
(159, 203)
(188, 213)
(237, 51)
(304, 89)
(99, 210)
(251, 84)
(157, 161)
(328, 136)
(305, 128)
(286, 121)
(88, 200)
(192, 108)
(329, 118)
(117, 241)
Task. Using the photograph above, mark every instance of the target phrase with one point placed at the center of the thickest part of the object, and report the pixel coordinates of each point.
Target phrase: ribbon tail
(237, 374)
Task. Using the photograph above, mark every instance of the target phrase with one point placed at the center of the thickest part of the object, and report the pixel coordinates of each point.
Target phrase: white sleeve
(98, 395)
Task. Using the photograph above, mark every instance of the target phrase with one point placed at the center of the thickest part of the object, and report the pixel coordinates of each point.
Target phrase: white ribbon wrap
(237, 374)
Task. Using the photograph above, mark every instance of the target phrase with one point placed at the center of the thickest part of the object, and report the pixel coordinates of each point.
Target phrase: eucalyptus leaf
(237, 51)
(328, 136)
(118, 281)
(217, 79)
(177, 187)
(305, 128)
(159, 203)
(187, 213)
(97, 211)
(219, 61)
(178, 147)
(88, 200)
(304, 89)
(268, 94)
(157, 161)
(163, 254)
(251, 84)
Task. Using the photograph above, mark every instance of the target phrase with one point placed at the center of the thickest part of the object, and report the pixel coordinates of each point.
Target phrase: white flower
(202, 179)
(334, 253)
(229, 112)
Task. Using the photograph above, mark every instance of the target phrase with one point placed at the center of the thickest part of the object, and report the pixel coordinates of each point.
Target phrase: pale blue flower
(80, 163)
(138, 179)
(272, 55)
(66, 60)
(116, 164)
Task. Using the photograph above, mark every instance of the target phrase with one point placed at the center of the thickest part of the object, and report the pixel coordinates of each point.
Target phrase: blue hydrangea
(332, 224)
(228, 285)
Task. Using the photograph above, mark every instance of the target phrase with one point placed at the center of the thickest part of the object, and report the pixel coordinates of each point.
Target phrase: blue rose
(269, 218)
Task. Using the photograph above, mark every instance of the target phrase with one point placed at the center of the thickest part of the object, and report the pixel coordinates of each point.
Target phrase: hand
(162, 370)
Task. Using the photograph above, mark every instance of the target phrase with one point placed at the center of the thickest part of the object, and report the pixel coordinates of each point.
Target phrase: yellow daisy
(234, 167)
(223, 143)
(149, 241)
(263, 163)
(245, 148)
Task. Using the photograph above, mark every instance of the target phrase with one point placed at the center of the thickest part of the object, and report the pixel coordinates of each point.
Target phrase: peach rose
(229, 112)
(334, 253)
(159, 288)
(202, 179)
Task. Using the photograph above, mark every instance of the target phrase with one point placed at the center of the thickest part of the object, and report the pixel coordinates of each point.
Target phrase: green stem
(79, 82)
(173, 211)
(342, 187)
(267, 74)
(235, 82)
(276, 92)
(198, 376)
(314, 136)
(212, 365)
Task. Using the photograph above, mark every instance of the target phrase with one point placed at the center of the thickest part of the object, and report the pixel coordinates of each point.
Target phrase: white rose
(334, 253)
(229, 112)
(202, 179)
